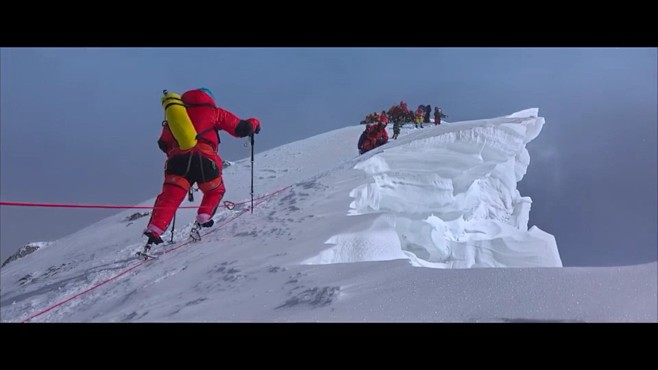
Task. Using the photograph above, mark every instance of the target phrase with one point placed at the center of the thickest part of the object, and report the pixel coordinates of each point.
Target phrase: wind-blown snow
(442, 196)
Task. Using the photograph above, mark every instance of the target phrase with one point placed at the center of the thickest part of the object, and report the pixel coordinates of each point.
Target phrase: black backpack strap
(208, 105)
(198, 136)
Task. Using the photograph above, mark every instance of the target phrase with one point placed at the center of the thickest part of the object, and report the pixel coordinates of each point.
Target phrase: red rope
(84, 291)
(69, 205)
(262, 199)
(65, 205)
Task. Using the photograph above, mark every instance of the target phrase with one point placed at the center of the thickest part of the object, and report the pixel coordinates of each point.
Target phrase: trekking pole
(252, 173)
(173, 225)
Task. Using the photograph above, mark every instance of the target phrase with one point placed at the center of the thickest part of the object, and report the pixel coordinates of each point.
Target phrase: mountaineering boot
(195, 232)
(154, 239)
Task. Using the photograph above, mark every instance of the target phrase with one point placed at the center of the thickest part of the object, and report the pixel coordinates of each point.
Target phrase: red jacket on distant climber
(383, 118)
(381, 136)
(437, 116)
(372, 137)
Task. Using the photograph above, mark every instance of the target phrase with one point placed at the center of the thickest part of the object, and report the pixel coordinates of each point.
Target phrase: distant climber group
(375, 133)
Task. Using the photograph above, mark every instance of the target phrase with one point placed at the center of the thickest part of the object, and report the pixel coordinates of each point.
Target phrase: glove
(255, 123)
(244, 128)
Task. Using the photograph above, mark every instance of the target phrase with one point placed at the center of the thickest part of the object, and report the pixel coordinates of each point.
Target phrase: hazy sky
(80, 125)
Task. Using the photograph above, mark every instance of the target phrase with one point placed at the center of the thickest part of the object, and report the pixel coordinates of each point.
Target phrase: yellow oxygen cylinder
(179, 122)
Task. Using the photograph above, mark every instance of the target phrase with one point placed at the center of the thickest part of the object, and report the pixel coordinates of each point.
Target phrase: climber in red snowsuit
(200, 164)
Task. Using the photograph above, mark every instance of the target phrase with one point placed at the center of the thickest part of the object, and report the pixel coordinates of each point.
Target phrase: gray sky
(80, 125)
